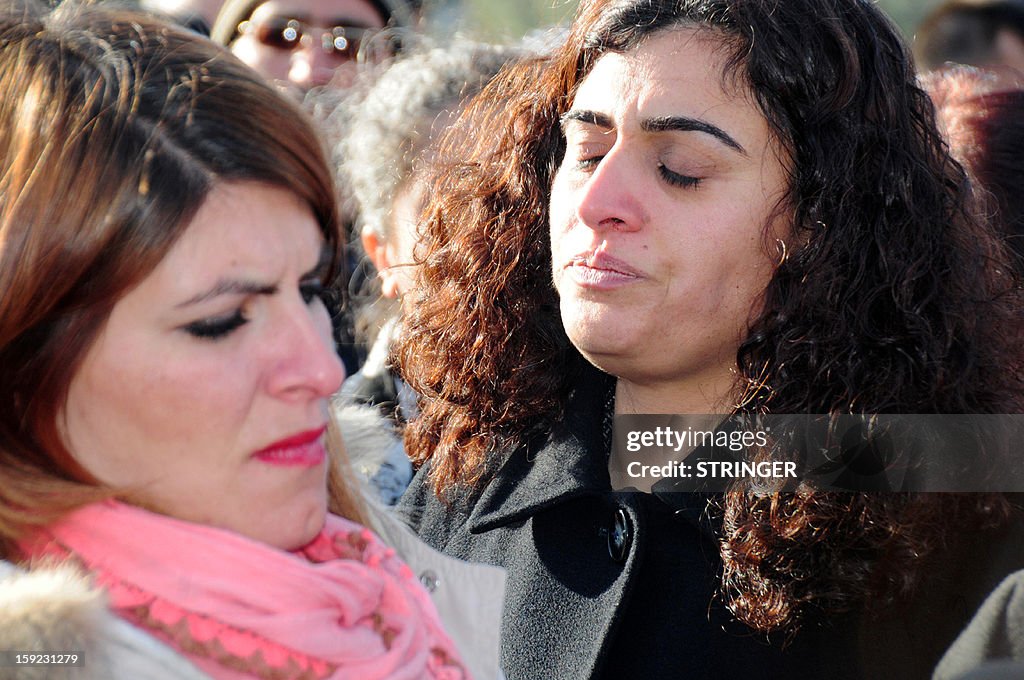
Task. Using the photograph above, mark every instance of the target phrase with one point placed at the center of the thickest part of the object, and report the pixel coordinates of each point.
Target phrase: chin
(612, 364)
(603, 326)
(303, 524)
(601, 346)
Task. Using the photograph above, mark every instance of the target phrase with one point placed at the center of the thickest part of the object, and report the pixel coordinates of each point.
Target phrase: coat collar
(569, 462)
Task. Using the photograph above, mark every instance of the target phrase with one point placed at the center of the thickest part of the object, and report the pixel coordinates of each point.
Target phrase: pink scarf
(343, 606)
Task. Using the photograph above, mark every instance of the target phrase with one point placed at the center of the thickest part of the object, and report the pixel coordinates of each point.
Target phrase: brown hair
(113, 129)
(896, 300)
(982, 116)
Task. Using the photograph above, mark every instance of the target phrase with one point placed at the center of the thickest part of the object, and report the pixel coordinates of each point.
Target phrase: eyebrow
(249, 287)
(307, 19)
(230, 287)
(589, 117)
(290, 16)
(349, 23)
(659, 124)
(687, 124)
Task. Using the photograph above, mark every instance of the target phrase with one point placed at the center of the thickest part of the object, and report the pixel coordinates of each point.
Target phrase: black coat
(624, 585)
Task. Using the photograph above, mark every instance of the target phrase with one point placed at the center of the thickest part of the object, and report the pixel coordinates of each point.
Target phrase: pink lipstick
(305, 449)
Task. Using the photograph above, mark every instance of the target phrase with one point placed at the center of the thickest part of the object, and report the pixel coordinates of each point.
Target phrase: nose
(304, 363)
(312, 66)
(611, 197)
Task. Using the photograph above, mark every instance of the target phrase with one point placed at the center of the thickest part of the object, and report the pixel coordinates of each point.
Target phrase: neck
(669, 398)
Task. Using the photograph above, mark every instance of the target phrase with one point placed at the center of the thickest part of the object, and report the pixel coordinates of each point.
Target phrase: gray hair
(391, 123)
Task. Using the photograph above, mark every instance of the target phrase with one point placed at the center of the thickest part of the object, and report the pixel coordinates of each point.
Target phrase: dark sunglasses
(289, 34)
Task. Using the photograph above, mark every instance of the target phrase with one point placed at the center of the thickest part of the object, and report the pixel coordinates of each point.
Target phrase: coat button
(620, 536)
(429, 580)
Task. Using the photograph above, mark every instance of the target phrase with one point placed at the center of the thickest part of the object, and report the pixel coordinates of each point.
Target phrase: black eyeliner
(217, 327)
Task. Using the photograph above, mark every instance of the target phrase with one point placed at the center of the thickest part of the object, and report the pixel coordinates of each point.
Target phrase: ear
(379, 253)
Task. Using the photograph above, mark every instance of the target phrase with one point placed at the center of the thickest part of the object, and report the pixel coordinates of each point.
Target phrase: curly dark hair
(896, 298)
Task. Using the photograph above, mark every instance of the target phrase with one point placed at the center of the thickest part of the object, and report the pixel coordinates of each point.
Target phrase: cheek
(270, 62)
(107, 406)
(718, 268)
(113, 379)
(345, 74)
(560, 213)
(741, 278)
(122, 402)
(561, 198)
(322, 322)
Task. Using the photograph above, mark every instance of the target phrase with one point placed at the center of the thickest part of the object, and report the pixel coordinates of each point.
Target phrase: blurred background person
(973, 32)
(196, 15)
(302, 44)
(981, 113)
(389, 131)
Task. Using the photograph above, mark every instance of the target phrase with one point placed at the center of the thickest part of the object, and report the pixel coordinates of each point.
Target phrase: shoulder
(432, 518)
(468, 596)
(996, 632)
(57, 609)
(567, 458)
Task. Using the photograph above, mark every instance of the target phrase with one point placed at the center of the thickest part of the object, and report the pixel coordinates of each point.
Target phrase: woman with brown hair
(706, 207)
(167, 227)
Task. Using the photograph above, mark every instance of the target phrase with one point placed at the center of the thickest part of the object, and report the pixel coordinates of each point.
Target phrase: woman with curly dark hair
(707, 206)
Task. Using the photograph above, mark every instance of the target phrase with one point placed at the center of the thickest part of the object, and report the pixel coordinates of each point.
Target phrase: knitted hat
(234, 12)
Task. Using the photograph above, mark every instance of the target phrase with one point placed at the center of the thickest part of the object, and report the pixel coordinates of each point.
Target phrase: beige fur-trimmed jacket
(57, 609)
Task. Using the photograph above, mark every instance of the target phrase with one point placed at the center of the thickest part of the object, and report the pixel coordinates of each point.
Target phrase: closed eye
(588, 162)
(218, 327)
(586, 145)
(587, 153)
(677, 179)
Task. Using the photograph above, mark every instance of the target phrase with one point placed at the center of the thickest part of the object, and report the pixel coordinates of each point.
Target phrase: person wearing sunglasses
(307, 43)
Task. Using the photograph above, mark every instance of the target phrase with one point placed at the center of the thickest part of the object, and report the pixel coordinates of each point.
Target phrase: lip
(305, 449)
(601, 271)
